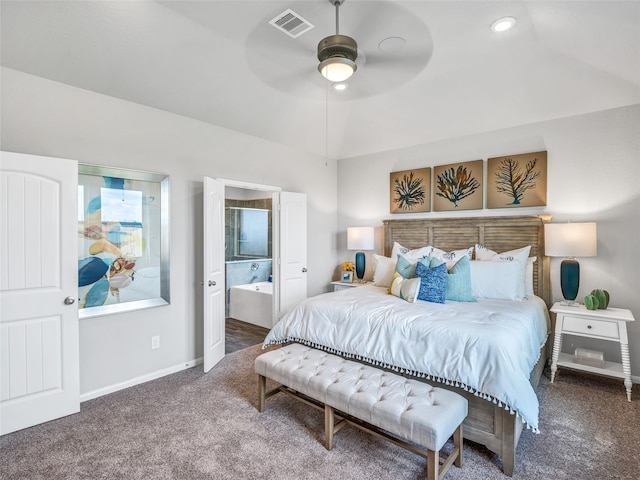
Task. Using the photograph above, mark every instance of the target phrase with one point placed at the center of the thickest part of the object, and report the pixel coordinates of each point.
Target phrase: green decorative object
(603, 298)
(591, 302)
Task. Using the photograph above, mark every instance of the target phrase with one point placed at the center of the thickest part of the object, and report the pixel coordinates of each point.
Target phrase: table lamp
(570, 240)
(360, 238)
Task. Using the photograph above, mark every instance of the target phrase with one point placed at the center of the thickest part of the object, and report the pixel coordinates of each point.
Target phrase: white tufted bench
(380, 402)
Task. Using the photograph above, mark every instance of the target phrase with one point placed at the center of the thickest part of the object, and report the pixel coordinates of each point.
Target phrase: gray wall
(593, 172)
(42, 117)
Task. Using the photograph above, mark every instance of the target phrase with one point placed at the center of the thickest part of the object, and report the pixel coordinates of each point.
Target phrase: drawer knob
(589, 326)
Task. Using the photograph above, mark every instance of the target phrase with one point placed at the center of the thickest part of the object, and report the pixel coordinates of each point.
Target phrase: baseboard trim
(138, 380)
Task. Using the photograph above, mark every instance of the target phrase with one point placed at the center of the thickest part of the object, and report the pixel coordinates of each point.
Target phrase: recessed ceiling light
(392, 44)
(340, 86)
(502, 24)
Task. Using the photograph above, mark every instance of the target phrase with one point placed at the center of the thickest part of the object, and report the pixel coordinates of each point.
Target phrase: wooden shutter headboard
(500, 234)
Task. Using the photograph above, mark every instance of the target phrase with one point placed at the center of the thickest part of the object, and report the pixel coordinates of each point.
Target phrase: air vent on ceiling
(291, 23)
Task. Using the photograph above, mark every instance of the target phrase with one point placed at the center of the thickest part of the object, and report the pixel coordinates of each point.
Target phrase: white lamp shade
(360, 238)
(570, 239)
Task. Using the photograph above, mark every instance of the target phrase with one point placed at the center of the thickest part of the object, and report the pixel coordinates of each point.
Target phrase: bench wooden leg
(262, 387)
(433, 465)
(329, 423)
(457, 444)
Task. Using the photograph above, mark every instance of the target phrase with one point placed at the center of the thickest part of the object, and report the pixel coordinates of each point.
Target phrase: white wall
(593, 175)
(48, 118)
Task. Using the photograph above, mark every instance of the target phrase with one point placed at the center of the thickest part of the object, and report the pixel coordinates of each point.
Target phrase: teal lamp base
(360, 265)
(570, 279)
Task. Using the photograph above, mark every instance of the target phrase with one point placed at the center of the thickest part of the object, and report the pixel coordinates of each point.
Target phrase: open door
(289, 231)
(214, 274)
(39, 339)
(292, 248)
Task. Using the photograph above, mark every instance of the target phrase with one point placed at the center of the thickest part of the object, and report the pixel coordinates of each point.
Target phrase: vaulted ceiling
(428, 70)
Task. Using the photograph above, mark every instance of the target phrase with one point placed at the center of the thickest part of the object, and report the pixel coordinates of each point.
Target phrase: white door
(39, 350)
(214, 276)
(292, 241)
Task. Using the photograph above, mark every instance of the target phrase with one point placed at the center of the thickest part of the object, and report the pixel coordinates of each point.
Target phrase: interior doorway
(248, 266)
(289, 258)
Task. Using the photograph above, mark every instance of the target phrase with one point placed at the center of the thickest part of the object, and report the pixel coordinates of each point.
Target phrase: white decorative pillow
(383, 270)
(404, 288)
(528, 277)
(451, 258)
(417, 254)
(497, 279)
(519, 255)
(483, 253)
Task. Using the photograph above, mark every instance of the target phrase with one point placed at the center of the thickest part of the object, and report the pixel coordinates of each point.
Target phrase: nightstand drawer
(590, 326)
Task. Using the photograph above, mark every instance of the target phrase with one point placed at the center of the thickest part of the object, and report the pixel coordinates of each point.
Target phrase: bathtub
(252, 303)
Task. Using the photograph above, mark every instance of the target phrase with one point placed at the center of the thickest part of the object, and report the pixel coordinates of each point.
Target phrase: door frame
(275, 237)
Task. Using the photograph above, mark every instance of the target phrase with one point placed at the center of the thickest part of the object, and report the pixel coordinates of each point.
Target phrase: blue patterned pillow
(459, 282)
(433, 282)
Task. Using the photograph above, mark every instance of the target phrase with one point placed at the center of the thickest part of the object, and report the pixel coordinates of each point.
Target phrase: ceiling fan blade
(415, 59)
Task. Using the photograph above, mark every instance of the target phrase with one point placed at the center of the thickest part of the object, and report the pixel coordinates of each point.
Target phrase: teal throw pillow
(405, 268)
(459, 282)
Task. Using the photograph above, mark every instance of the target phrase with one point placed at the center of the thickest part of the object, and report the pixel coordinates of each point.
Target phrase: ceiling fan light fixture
(337, 69)
(337, 53)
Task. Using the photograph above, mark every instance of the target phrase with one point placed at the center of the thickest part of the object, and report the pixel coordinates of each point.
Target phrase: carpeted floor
(191, 425)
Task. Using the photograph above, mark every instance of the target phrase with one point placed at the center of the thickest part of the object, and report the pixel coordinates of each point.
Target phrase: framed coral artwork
(410, 191)
(457, 186)
(517, 180)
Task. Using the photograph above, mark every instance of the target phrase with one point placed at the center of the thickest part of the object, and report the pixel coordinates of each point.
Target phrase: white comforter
(488, 347)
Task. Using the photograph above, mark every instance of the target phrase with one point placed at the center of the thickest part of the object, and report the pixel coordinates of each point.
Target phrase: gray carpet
(191, 425)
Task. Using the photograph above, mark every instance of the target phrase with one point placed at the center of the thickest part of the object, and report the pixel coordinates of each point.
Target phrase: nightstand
(609, 324)
(343, 285)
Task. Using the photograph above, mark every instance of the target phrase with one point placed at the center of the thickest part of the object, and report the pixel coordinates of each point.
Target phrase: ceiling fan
(337, 53)
(393, 46)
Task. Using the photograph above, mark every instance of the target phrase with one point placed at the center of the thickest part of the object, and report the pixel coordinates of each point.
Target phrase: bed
(474, 338)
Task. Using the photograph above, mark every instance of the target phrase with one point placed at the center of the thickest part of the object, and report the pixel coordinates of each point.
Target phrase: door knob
(69, 301)
(304, 270)
(211, 283)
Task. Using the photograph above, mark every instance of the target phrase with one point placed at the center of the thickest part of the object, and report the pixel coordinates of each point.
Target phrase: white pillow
(519, 255)
(383, 270)
(497, 279)
(528, 277)
(404, 288)
(451, 258)
(417, 254)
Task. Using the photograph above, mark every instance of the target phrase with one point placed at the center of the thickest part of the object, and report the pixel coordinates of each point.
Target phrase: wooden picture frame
(458, 186)
(410, 191)
(517, 180)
